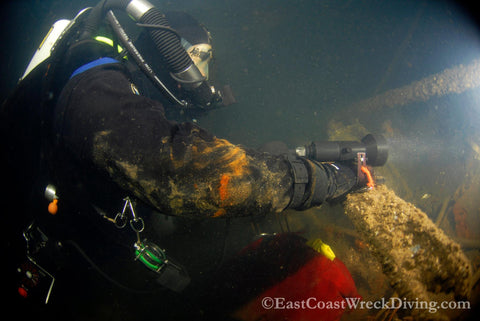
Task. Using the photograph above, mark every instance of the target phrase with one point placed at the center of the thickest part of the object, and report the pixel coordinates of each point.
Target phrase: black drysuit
(179, 169)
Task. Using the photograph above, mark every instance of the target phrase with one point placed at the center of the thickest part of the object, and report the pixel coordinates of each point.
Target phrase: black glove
(315, 183)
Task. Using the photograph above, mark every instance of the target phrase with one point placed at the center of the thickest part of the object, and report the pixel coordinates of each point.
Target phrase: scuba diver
(91, 120)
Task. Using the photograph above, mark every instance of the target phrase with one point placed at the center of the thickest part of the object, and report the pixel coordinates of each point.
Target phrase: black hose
(139, 60)
(176, 58)
(102, 273)
(144, 25)
(167, 43)
(97, 13)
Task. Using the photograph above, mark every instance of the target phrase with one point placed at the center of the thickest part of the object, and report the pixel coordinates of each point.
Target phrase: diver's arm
(180, 169)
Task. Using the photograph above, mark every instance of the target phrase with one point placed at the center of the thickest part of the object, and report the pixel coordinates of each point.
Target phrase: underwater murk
(411, 72)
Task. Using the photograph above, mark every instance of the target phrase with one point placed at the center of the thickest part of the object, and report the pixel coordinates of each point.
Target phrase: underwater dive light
(374, 146)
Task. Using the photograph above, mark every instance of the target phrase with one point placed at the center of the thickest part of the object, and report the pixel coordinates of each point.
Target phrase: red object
(368, 174)
(315, 292)
(22, 291)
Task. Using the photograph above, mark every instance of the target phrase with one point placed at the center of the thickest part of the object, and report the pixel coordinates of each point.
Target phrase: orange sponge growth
(223, 189)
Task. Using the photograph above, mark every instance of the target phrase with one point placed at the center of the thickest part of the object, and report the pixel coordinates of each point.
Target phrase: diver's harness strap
(92, 64)
(315, 182)
(300, 181)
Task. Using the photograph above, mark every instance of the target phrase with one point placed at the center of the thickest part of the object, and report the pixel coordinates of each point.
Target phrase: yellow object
(323, 248)
(109, 42)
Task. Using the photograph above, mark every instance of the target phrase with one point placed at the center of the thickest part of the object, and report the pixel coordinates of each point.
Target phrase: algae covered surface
(420, 260)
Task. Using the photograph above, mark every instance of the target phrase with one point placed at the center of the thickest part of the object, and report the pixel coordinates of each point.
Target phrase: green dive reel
(168, 273)
(150, 255)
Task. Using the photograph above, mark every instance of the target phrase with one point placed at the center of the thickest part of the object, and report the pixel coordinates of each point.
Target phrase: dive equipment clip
(170, 274)
(136, 223)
